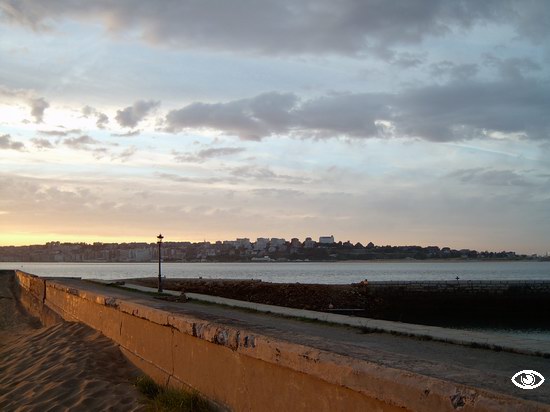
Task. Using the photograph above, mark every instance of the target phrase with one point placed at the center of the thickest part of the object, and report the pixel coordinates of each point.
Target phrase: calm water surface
(306, 272)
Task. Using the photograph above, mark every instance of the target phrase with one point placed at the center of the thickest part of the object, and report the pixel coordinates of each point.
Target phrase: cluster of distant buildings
(239, 250)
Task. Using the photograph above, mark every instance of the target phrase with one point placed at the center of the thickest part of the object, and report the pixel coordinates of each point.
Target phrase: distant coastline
(243, 250)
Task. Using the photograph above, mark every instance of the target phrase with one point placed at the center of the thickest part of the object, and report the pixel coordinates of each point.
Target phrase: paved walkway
(510, 344)
(475, 367)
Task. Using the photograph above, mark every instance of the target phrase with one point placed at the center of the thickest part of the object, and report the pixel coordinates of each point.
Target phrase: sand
(68, 366)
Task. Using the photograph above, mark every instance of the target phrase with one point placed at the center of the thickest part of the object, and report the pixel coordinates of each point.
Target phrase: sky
(424, 122)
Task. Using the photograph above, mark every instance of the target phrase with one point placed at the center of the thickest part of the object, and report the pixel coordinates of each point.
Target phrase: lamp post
(160, 237)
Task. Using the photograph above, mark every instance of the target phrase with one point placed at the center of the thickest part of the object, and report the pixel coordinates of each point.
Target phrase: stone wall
(462, 301)
(465, 286)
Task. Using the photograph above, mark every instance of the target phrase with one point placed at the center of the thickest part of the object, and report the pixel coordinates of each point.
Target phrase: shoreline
(414, 261)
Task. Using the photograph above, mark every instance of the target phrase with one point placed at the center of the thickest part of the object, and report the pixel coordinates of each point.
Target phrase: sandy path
(68, 366)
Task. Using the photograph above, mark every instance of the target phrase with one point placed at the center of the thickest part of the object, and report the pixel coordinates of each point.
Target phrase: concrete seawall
(243, 370)
(460, 301)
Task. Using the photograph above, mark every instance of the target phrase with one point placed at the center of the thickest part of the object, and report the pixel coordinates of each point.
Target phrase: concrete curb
(455, 336)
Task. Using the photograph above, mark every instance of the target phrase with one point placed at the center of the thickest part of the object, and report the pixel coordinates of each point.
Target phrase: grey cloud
(132, 115)
(320, 26)
(454, 71)
(60, 133)
(408, 60)
(466, 109)
(352, 115)
(286, 194)
(88, 111)
(125, 154)
(101, 118)
(100, 152)
(81, 143)
(42, 143)
(250, 119)
(513, 68)
(265, 174)
(38, 107)
(457, 110)
(283, 113)
(206, 154)
(186, 179)
(131, 133)
(491, 177)
(238, 175)
(6, 142)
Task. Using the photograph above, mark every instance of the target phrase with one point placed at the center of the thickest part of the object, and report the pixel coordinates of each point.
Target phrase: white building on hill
(326, 240)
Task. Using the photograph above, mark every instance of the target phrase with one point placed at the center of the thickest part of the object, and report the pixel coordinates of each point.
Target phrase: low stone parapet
(245, 371)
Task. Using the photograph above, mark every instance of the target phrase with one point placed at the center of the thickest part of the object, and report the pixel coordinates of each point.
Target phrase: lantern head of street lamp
(160, 237)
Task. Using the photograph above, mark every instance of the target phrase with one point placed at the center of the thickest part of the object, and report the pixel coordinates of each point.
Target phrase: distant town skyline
(321, 240)
(418, 122)
(324, 249)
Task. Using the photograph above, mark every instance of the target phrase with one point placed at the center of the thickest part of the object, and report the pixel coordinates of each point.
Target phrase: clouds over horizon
(311, 27)
(457, 110)
(258, 209)
(420, 120)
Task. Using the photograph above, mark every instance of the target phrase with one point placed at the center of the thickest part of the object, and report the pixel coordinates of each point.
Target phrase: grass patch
(163, 399)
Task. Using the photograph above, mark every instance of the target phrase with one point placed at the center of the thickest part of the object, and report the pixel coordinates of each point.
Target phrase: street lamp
(160, 237)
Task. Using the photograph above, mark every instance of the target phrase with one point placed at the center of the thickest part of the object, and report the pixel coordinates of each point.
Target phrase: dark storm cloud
(206, 154)
(457, 110)
(132, 115)
(6, 142)
(271, 27)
